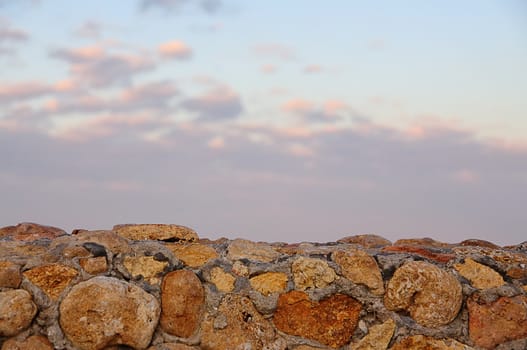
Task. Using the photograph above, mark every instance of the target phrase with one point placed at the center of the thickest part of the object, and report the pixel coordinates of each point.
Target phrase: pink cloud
(297, 105)
(268, 68)
(8, 33)
(220, 103)
(21, 91)
(466, 176)
(334, 106)
(313, 68)
(217, 142)
(175, 49)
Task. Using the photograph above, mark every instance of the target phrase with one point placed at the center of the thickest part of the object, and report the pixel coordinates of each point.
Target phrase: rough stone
(421, 342)
(172, 346)
(159, 232)
(95, 265)
(423, 242)
(10, 276)
(145, 266)
(245, 328)
(421, 251)
(312, 273)
(492, 323)
(360, 268)
(194, 254)
(105, 311)
(240, 269)
(307, 347)
(52, 279)
(378, 337)
(431, 295)
(34, 342)
(17, 310)
(269, 282)
(182, 303)
(517, 272)
(366, 241)
(330, 321)
(109, 239)
(480, 276)
(75, 251)
(223, 281)
(478, 243)
(244, 249)
(28, 231)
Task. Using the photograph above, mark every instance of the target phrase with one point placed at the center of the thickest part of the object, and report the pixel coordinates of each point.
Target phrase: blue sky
(297, 120)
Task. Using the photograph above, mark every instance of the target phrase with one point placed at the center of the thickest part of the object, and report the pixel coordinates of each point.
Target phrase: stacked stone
(160, 287)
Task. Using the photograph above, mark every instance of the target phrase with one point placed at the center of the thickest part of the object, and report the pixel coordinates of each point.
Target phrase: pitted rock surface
(193, 254)
(312, 273)
(421, 342)
(172, 346)
(105, 311)
(359, 267)
(330, 321)
(269, 282)
(223, 281)
(480, 276)
(10, 276)
(244, 249)
(28, 231)
(378, 337)
(182, 303)
(145, 266)
(17, 310)
(431, 295)
(52, 279)
(34, 342)
(160, 232)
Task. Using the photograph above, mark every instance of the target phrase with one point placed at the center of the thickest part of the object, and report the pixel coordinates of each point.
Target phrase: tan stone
(105, 311)
(421, 342)
(360, 268)
(312, 273)
(493, 323)
(378, 337)
(95, 265)
(223, 281)
(52, 279)
(423, 242)
(34, 342)
(172, 346)
(479, 243)
(421, 251)
(240, 269)
(17, 310)
(431, 295)
(194, 254)
(330, 321)
(307, 347)
(75, 251)
(182, 303)
(366, 240)
(480, 276)
(28, 231)
(241, 327)
(525, 287)
(10, 276)
(159, 232)
(269, 282)
(244, 249)
(146, 266)
(109, 239)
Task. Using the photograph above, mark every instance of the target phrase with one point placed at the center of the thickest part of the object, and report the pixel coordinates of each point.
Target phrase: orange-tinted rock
(145, 266)
(238, 325)
(415, 249)
(10, 276)
(312, 273)
(244, 249)
(182, 303)
(423, 242)
(194, 254)
(421, 342)
(493, 323)
(75, 251)
(360, 268)
(17, 310)
(269, 282)
(109, 239)
(330, 321)
(431, 295)
(479, 243)
(52, 279)
(28, 231)
(517, 272)
(172, 346)
(159, 232)
(366, 240)
(94, 266)
(479, 275)
(223, 281)
(378, 337)
(34, 342)
(105, 311)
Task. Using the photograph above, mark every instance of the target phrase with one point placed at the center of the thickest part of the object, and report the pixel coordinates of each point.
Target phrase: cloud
(312, 68)
(93, 65)
(218, 104)
(10, 93)
(90, 29)
(10, 36)
(274, 50)
(176, 6)
(268, 68)
(329, 111)
(175, 49)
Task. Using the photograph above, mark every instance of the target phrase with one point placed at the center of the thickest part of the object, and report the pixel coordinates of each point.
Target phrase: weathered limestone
(182, 303)
(378, 337)
(95, 265)
(145, 266)
(492, 323)
(244, 249)
(480, 276)
(269, 282)
(194, 254)
(28, 231)
(330, 321)
(52, 279)
(34, 342)
(16, 311)
(431, 295)
(105, 311)
(223, 281)
(366, 240)
(10, 276)
(160, 232)
(421, 342)
(312, 273)
(359, 267)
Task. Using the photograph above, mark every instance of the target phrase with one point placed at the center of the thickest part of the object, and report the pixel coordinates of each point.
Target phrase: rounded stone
(105, 311)
(421, 342)
(312, 273)
(34, 342)
(431, 295)
(361, 268)
(17, 310)
(159, 232)
(269, 282)
(182, 303)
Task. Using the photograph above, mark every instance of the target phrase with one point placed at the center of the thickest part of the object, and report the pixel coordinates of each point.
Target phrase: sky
(292, 121)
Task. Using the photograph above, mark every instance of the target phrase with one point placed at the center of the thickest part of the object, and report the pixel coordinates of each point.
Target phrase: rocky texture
(159, 287)
(431, 295)
(182, 303)
(105, 311)
(330, 321)
(494, 322)
(16, 311)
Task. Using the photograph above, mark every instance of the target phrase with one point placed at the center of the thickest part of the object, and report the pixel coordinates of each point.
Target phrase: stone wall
(161, 287)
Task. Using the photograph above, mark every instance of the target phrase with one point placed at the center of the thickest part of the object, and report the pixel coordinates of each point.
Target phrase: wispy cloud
(90, 29)
(313, 68)
(274, 50)
(10, 36)
(218, 104)
(175, 49)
